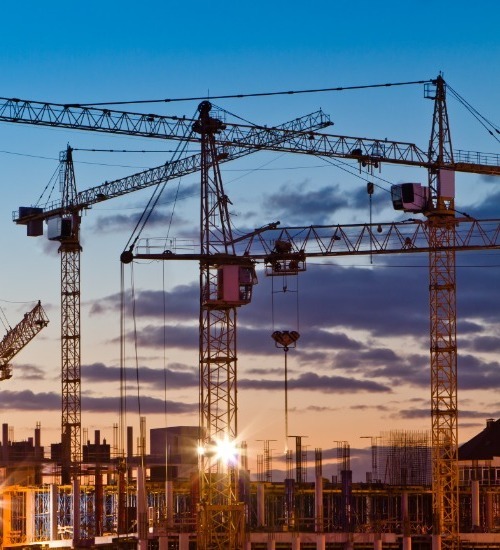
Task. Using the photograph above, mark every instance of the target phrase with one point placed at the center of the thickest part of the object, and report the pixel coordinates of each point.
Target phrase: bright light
(226, 451)
(200, 450)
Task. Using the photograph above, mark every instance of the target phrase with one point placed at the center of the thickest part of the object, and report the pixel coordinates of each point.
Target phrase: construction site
(194, 489)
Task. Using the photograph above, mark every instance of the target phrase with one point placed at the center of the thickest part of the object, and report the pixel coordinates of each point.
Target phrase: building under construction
(105, 508)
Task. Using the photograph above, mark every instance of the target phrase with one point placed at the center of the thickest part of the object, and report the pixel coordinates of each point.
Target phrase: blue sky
(362, 356)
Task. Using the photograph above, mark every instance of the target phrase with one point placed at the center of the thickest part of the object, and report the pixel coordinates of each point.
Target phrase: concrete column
(169, 494)
(320, 541)
(318, 504)
(6, 511)
(261, 509)
(406, 543)
(295, 542)
(30, 514)
(38, 457)
(476, 519)
(405, 519)
(142, 516)
(489, 511)
(162, 543)
(436, 542)
(271, 544)
(5, 442)
(76, 511)
(53, 505)
(183, 541)
(377, 542)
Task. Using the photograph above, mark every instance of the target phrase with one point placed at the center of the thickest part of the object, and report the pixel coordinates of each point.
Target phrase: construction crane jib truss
(20, 336)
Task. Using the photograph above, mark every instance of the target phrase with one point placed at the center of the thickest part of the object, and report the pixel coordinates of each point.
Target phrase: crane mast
(65, 228)
(221, 514)
(19, 337)
(443, 330)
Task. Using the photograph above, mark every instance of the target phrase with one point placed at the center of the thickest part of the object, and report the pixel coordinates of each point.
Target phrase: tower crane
(19, 337)
(63, 224)
(436, 202)
(226, 279)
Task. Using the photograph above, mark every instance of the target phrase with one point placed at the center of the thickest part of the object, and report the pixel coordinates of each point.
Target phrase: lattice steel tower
(443, 318)
(66, 229)
(225, 284)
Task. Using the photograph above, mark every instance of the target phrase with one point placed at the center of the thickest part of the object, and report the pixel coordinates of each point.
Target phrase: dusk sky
(361, 366)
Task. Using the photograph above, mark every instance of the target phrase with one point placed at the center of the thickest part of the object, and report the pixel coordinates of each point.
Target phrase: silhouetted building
(174, 450)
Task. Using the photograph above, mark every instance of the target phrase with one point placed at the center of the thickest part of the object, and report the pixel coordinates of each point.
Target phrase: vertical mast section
(443, 349)
(68, 229)
(221, 515)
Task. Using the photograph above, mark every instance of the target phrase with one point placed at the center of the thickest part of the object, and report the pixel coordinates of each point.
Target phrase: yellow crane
(63, 225)
(436, 202)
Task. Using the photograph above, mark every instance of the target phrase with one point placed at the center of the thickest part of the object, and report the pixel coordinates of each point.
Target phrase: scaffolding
(405, 457)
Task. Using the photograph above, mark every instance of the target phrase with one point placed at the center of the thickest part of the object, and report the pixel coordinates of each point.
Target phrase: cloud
(293, 204)
(361, 200)
(380, 300)
(172, 336)
(148, 405)
(314, 382)
(127, 222)
(28, 400)
(488, 207)
(412, 414)
(488, 344)
(476, 374)
(159, 217)
(180, 377)
(181, 303)
(30, 372)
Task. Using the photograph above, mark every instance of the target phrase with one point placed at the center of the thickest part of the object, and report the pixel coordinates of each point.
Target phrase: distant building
(479, 458)
(174, 450)
(97, 452)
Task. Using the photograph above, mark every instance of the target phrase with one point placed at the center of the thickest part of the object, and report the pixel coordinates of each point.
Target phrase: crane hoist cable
(164, 304)
(285, 339)
(53, 180)
(123, 377)
(489, 126)
(258, 94)
(123, 367)
(136, 353)
(5, 321)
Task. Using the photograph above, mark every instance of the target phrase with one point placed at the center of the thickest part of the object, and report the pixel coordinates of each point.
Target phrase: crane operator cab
(410, 197)
(234, 285)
